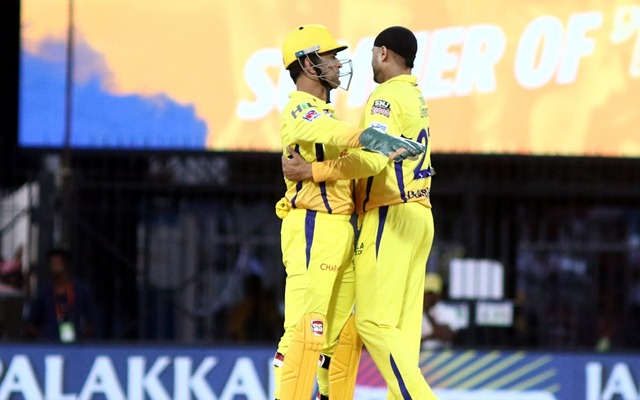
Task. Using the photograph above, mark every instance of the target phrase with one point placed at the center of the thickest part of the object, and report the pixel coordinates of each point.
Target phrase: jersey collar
(404, 78)
(300, 96)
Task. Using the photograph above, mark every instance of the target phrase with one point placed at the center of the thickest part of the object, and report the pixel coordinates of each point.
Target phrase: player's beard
(332, 78)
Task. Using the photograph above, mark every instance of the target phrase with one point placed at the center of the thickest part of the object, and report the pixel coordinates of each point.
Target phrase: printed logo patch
(317, 327)
(381, 107)
(328, 267)
(310, 115)
(416, 194)
(379, 126)
(301, 108)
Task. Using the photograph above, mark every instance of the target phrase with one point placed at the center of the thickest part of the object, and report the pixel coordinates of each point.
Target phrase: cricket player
(316, 234)
(395, 219)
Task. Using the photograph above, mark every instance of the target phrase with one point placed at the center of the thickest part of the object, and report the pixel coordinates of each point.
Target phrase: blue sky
(99, 119)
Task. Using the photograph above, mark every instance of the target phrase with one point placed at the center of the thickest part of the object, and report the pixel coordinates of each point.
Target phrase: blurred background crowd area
(173, 245)
(183, 247)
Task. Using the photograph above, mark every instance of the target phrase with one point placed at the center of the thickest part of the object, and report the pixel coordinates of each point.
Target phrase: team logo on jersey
(381, 107)
(310, 115)
(317, 327)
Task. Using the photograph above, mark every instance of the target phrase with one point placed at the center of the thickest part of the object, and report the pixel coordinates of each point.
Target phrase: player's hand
(394, 147)
(294, 167)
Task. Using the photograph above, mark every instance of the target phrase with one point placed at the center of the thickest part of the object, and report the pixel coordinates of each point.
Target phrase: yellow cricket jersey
(396, 107)
(309, 126)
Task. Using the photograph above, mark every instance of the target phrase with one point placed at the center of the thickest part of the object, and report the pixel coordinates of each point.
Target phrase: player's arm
(316, 127)
(441, 331)
(355, 165)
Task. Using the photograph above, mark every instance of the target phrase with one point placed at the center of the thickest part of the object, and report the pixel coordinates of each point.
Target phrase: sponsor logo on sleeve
(311, 115)
(381, 107)
(302, 109)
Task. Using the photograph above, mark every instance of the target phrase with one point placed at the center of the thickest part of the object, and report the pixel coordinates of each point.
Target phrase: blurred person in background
(11, 270)
(437, 319)
(62, 310)
(255, 317)
(12, 294)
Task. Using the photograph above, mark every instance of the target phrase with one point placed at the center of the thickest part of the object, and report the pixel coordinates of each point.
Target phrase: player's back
(398, 107)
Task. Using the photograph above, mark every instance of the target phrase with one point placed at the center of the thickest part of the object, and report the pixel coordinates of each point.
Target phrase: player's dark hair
(401, 41)
(60, 252)
(295, 69)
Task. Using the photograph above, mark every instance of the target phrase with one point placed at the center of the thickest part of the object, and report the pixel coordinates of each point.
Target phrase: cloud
(100, 119)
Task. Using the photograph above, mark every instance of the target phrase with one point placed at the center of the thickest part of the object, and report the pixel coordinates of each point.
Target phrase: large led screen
(512, 77)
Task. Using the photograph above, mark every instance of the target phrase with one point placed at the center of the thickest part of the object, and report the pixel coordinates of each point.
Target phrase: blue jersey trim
(323, 185)
(368, 192)
(401, 384)
(309, 228)
(382, 216)
(400, 178)
(299, 184)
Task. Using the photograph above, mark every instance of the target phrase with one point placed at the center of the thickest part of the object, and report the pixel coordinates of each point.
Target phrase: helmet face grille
(346, 69)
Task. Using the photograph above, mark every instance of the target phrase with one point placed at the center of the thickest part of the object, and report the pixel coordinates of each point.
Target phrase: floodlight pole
(67, 183)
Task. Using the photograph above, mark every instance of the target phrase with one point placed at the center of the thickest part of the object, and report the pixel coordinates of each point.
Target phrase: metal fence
(166, 240)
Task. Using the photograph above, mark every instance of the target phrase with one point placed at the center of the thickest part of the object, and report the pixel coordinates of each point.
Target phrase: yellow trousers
(390, 265)
(317, 253)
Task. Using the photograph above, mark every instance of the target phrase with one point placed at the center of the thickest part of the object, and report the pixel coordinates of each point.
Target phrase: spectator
(62, 310)
(11, 296)
(437, 332)
(254, 318)
(11, 270)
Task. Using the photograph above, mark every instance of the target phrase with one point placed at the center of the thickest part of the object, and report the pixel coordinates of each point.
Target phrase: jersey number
(420, 173)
